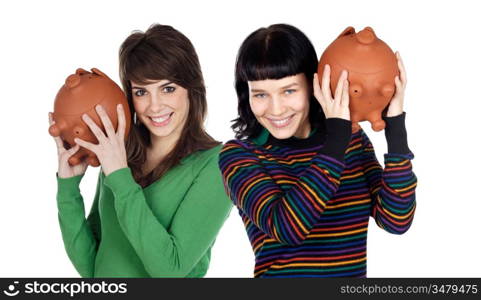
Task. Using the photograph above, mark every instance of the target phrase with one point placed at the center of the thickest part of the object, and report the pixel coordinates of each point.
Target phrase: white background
(42, 42)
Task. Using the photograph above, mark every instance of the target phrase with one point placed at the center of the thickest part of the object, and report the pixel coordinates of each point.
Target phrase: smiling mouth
(161, 120)
(280, 123)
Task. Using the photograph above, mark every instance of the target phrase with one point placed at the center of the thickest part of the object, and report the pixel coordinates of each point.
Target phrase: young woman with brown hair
(160, 200)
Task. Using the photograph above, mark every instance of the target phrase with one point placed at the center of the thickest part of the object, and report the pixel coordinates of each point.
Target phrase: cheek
(301, 103)
(140, 106)
(258, 107)
(181, 104)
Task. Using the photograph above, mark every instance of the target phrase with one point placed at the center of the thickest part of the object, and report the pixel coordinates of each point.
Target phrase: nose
(276, 107)
(156, 103)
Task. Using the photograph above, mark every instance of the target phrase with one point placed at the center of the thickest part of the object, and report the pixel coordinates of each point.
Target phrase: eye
(289, 91)
(139, 93)
(168, 89)
(260, 95)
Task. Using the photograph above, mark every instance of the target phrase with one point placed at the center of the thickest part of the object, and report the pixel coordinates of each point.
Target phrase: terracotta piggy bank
(80, 94)
(372, 67)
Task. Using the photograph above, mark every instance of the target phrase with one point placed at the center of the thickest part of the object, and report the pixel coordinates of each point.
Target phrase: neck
(303, 130)
(161, 146)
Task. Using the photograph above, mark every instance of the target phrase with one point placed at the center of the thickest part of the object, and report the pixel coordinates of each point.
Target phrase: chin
(160, 131)
(282, 133)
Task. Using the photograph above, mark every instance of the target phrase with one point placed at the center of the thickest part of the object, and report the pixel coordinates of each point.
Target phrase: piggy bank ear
(98, 72)
(349, 30)
(81, 71)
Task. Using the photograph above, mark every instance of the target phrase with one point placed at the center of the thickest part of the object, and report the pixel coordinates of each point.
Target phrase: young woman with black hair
(305, 185)
(160, 201)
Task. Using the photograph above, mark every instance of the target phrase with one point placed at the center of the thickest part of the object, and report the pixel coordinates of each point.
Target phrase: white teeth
(281, 122)
(160, 120)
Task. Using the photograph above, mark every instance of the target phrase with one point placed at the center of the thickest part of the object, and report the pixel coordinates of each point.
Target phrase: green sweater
(164, 230)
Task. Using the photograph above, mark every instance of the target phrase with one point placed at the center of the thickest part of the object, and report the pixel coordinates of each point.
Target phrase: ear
(349, 30)
(98, 72)
(81, 71)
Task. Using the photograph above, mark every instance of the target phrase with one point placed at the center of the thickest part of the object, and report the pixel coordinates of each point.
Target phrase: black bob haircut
(277, 51)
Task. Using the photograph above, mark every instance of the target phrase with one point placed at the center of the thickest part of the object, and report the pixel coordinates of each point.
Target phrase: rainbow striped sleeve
(284, 215)
(392, 189)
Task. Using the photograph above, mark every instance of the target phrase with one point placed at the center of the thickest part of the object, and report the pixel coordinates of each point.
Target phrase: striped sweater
(306, 203)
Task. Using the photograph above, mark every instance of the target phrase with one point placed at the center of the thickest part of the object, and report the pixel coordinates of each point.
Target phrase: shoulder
(237, 143)
(239, 146)
(204, 160)
(239, 155)
(239, 150)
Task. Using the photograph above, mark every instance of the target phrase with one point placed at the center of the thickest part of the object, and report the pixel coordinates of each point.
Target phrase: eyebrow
(141, 88)
(284, 87)
(289, 85)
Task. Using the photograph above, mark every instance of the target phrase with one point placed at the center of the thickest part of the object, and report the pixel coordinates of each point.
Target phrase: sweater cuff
(396, 134)
(70, 186)
(120, 180)
(338, 132)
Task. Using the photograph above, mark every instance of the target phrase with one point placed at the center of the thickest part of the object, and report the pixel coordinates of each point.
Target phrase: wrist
(66, 175)
(394, 111)
(69, 186)
(110, 169)
(396, 134)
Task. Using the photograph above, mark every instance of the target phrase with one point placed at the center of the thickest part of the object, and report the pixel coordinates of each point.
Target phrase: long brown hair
(160, 53)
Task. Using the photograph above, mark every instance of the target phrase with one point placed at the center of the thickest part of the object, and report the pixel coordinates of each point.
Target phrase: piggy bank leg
(378, 125)
(355, 127)
(93, 160)
(76, 158)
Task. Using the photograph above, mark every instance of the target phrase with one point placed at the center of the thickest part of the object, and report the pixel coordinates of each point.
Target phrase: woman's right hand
(337, 107)
(65, 170)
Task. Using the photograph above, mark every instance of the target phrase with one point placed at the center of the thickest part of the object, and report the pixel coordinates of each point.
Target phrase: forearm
(396, 134)
(395, 200)
(392, 188)
(79, 240)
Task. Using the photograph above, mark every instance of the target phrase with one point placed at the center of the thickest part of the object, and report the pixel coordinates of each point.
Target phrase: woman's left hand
(397, 101)
(111, 148)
